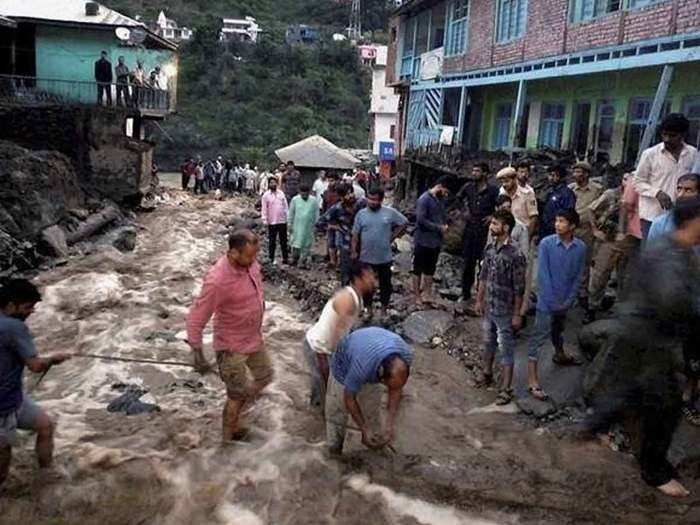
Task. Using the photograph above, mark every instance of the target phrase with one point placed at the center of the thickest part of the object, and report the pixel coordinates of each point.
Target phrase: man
(291, 180)
(303, 215)
(199, 179)
(18, 297)
(375, 228)
(218, 171)
(499, 300)
(366, 356)
(103, 77)
(659, 168)
(340, 314)
(330, 198)
(251, 180)
(233, 293)
(586, 192)
(524, 176)
(319, 187)
(562, 260)
(638, 363)
(688, 186)
(187, 170)
(340, 219)
(559, 198)
(138, 79)
(274, 211)
(479, 202)
(431, 225)
(122, 73)
(518, 235)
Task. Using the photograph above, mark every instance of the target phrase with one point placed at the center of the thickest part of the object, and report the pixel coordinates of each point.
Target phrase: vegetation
(245, 101)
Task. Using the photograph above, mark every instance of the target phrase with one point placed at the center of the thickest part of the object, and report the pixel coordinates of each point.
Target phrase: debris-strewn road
(454, 464)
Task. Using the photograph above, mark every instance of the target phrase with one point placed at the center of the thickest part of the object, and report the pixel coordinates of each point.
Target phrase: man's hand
(57, 359)
(372, 441)
(200, 363)
(665, 201)
(444, 228)
(517, 322)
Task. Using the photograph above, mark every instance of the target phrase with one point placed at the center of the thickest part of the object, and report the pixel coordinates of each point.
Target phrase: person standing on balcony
(138, 79)
(103, 77)
(122, 73)
(660, 167)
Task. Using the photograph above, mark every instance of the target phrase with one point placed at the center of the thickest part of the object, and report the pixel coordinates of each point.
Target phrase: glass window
(551, 125)
(637, 117)
(457, 27)
(589, 9)
(501, 130)
(511, 19)
(437, 27)
(691, 109)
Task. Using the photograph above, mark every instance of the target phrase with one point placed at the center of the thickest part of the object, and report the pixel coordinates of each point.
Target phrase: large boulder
(421, 327)
(53, 242)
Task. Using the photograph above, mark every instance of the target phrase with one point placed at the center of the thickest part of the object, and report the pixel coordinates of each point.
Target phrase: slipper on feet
(538, 393)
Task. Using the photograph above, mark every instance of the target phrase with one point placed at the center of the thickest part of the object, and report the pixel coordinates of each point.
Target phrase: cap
(506, 172)
(583, 165)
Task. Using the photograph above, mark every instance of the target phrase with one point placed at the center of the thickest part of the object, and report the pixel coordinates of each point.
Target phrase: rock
(403, 262)
(129, 402)
(167, 336)
(404, 244)
(452, 294)
(421, 327)
(53, 242)
(534, 407)
(592, 337)
(126, 240)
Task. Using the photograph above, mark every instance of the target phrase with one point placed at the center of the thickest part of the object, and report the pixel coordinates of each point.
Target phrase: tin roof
(317, 152)
(64, 11)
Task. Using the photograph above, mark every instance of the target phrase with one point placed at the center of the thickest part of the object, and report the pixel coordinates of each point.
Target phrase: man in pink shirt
(233, 293)
(274, 210)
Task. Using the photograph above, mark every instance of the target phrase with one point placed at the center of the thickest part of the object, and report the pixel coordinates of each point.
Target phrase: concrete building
(240, 30)
(571, 74)
(169, 28)
(301, 34)
(384, 103)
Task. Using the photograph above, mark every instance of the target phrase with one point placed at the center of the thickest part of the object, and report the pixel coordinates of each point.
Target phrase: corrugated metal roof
(64, 11)
(317, 152)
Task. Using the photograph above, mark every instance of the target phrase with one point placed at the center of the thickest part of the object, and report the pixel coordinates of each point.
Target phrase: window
(501, 130)
(409, 37)
(392, 131)
(588, 9)
(437, 27)
(691, 109)
(457, 27)
(606, 126)
(511, 18)
(451, 99)
(422, 30)
(637, 123)
(551, 125)
(633, 4)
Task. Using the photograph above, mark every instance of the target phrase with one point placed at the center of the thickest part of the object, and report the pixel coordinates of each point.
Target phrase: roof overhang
(414, 6)
(658, 52)
(7, 22)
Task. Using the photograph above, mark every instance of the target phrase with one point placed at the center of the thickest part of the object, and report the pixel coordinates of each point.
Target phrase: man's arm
(544, 277)
(353, 407)
(400, 225)
(198, 317)
(423, 217)
(39, 365)
(356, 239)
(519, 282)
(344, 306)
(483, 279)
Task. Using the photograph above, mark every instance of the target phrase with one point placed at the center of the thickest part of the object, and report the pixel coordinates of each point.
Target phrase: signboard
(387, 151)
(431, 64)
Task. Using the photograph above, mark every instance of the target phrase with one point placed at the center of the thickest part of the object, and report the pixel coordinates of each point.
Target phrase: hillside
(245, 101)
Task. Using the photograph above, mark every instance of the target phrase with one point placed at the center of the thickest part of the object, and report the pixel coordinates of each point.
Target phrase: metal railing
(39, 91)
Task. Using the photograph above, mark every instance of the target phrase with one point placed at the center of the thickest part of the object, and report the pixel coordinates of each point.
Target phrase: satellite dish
(138, 35)
(123, 33)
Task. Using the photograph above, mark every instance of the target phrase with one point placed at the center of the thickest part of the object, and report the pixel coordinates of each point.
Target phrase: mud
(458, 461)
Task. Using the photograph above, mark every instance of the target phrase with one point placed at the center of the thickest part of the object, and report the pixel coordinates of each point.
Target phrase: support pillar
(519, 110)
(460, 119)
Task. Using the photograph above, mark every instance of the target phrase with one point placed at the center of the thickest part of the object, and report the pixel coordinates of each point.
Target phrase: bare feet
(674, 489)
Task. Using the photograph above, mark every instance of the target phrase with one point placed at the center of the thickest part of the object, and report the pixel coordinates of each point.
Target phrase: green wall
(618, 87)
(65, 53)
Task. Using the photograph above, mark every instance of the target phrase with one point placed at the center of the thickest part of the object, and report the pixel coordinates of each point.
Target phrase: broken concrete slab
(421, 327)
(534, 407)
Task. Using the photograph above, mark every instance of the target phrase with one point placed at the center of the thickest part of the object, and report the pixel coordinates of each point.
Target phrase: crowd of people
(523, 252)
(133, 87)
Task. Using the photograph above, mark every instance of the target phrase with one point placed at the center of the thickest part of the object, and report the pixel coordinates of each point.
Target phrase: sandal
(691, 415)
(538, 393)
(504, 397)
(565, 360)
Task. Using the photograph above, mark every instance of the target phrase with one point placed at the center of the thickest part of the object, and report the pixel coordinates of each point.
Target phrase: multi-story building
(169, 28)
(240, 30)
(384, 103)
(571, 74)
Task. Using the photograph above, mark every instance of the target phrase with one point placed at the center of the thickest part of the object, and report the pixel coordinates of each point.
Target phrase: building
(168, 28)
(53, 49)
(301, 34)
(240, 30)
(384, 103)
(316, 153)
(572, 74)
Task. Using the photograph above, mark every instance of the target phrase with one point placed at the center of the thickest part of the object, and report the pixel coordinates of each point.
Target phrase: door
(579, 128)
(605, 124)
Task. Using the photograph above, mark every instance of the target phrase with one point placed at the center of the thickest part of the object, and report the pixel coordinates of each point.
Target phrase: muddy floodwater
(455, 462)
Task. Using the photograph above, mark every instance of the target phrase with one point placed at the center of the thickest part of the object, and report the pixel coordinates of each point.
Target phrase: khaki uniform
(584, 198)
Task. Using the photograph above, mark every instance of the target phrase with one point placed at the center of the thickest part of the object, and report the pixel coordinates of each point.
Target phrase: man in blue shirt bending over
(368, 355)
(562, 260)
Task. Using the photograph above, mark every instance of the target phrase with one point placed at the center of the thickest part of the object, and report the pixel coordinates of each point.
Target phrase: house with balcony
(582, 75)
(170, 29)
(384, 103)
(240, 30)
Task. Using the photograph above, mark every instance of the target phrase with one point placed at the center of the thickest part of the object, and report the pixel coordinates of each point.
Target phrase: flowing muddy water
(456, 463)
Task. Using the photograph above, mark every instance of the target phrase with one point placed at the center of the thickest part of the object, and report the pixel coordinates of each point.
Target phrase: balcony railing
(41, 91)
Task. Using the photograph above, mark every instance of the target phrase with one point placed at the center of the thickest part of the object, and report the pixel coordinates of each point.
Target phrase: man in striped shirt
(366, 356)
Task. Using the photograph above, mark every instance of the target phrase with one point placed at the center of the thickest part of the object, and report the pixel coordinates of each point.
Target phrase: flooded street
(455, 463)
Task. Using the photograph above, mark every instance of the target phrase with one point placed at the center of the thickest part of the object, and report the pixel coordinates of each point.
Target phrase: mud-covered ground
(456, 462)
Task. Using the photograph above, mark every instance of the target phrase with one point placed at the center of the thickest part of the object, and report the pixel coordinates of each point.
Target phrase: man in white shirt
(320, 186)
(660, 167)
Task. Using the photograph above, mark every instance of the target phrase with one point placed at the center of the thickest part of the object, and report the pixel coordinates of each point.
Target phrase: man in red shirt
(233, 293)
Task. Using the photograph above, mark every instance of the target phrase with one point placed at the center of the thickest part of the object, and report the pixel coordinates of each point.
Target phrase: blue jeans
(498, 335)
(547, 325)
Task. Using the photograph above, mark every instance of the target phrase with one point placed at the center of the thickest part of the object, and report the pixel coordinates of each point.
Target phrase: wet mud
(458, 459)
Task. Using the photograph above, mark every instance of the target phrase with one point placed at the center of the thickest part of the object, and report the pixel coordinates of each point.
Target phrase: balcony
(148, 101)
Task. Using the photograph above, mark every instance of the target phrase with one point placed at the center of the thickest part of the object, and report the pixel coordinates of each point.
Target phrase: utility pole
(355, 26)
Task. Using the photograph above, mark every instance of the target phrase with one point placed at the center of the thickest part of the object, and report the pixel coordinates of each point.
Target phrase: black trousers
(102, 90)
(558, 327)
(473, 243)
(273, 232)
(185, 180)
(123, 98)
(199, 186)
(383, 272)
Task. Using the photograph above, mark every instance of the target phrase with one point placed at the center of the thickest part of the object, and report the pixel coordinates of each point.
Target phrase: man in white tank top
(339, 316)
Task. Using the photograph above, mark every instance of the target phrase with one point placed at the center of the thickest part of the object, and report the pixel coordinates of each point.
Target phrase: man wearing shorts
(233, 293)
(17, 300)
(431, 225)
